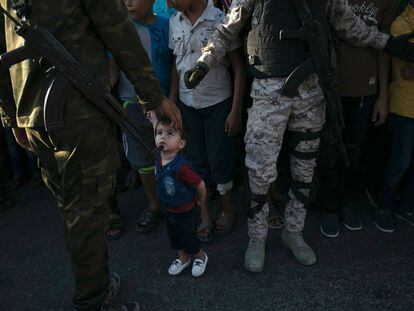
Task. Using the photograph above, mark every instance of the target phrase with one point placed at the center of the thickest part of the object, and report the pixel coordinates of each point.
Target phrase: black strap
(250, 197)
(304, 136)
(296, 137)
(296, 185)
(304, 155)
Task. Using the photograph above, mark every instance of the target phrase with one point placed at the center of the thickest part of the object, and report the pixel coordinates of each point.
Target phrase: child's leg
(186, 229)
(221, 158)
(200, 255)
(172, 221)
(148, 182)
(197, 155)
(152, 215)
(183, 256)
(173, 235)
(196, 142)
(140, 158)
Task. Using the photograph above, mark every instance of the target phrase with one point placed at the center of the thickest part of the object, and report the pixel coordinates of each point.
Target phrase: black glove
(193, 77)
(400, 47)
(22, 8)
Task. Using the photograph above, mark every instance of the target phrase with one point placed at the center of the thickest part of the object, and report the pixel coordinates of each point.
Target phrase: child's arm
(201, 193)
(380, 111)
(113, 72)
(174, 84)
(233, 122)
(191, 179)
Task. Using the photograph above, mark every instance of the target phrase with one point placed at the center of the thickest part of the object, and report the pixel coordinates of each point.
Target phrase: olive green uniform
(79, 162)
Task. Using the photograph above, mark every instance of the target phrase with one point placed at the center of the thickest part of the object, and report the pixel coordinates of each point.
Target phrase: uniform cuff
(207, 59)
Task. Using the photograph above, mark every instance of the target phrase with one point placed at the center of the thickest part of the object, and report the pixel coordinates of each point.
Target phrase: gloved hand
(193, 77)
(400, 47)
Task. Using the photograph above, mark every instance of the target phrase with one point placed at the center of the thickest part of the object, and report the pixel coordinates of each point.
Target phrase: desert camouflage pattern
(269, 117)
(272, 113)
(257, 226)
(87, 29)
(343, 20)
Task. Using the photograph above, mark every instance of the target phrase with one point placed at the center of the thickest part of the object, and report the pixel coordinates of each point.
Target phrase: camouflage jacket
(7, 106)
(342, 19)
(87, 29)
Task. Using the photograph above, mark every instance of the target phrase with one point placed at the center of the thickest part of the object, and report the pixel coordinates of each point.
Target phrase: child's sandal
(205, 232)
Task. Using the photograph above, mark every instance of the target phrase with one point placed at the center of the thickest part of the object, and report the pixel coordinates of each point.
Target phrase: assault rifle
(315, 36)
(41, 46)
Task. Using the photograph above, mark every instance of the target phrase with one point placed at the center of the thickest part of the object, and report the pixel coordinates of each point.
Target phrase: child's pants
(182, 230)
(209, 149)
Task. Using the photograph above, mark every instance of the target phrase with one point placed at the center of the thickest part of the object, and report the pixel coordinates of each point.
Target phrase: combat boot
(255, 255)
(302, 251)
(113, 287)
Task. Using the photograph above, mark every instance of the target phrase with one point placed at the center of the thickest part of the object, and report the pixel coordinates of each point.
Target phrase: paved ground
(363, 270)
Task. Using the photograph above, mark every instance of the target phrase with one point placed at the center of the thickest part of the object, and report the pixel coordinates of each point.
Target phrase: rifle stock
(16, 56)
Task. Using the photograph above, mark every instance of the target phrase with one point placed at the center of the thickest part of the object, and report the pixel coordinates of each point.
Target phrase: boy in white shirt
(212, 111)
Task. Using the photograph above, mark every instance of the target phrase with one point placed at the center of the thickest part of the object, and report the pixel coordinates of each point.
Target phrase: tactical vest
(268, 56)
(171, 192)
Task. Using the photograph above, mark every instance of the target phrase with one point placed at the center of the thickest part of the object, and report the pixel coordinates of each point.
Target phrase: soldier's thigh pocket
(96, 186)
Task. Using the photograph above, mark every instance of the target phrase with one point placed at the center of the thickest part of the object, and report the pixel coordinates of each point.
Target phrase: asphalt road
(364, 270)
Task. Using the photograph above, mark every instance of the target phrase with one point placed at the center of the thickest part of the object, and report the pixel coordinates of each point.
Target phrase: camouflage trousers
(269, 117)
(78, 165)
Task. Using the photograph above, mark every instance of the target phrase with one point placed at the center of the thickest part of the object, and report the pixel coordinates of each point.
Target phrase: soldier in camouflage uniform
(79, 162)
(272, 113)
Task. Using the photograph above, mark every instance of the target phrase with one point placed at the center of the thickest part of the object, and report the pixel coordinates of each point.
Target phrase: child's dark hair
(167, 121)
